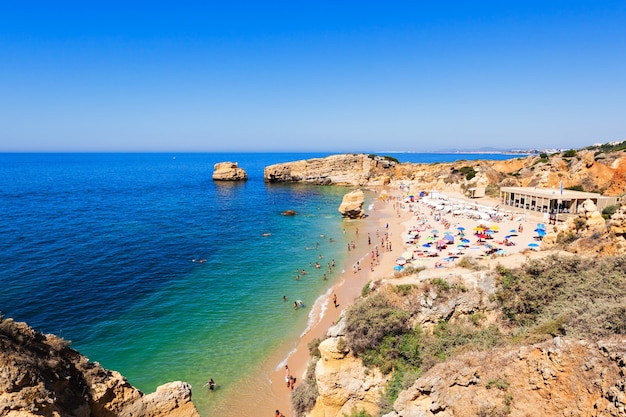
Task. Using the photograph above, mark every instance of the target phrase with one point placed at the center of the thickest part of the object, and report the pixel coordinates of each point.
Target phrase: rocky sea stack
(229, 171)
(352, 205)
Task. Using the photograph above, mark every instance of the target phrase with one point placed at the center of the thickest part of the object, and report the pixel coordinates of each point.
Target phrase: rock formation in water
(229, 171)
(352, 205)
(40, 375)
(344, 169)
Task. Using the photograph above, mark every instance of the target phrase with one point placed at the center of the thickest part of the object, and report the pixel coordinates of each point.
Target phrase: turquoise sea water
(100, 249)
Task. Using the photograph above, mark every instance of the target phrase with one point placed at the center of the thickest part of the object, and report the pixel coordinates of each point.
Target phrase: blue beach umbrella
(397, 268)
(533, 245)
(512, 231)
(465, 240)
(426, 245)
(449, 238)
(460, 228)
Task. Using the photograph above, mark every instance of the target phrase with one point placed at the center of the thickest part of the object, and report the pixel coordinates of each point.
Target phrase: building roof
(552, 193)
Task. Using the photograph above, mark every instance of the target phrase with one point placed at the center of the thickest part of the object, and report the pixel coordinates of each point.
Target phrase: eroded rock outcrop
(344, 169)
(229, 171)
(40, 375)
(344, 384)
(556, 378)
(352, 205)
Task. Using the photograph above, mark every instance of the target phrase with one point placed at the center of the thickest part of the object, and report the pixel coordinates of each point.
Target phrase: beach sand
(268, 389)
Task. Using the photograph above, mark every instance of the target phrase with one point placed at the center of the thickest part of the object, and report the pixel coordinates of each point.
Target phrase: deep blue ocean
(152, 269)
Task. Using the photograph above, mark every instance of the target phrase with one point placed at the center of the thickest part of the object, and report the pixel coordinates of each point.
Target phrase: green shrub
(468, 171)
(608, 211)
(404, 289)
(305, 395)
(370, 320)
(469, 262)
(501, 384)
(575, 188)
(569, 154)
(441, 284)
(359, 413)
(366, 290)
(567, 295)
(313, 346)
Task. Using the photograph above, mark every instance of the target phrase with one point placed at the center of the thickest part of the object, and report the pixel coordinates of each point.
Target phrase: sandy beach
(388, 223)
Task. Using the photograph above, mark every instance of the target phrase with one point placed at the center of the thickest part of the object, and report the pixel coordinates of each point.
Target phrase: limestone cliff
(556, 378)
(604, 173)
(344, 384)
(345, 169)
(562, 376)
(40, 375)
(352, 205)
(587, 169)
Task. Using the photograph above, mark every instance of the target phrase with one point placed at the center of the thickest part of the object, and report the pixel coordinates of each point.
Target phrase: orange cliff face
(604, 173)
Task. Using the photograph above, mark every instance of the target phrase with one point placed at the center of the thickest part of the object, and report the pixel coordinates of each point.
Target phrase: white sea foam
(317, 311)
(284, 361)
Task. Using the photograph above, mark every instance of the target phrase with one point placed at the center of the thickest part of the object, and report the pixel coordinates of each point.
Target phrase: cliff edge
(40, 375)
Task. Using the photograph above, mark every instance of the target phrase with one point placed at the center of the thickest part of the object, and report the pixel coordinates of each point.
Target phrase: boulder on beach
(352, 205)
(228, 171)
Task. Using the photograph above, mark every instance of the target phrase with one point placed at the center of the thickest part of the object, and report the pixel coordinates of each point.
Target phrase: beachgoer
(325, 277)
(211, 384)
(295, 305)
(284, 298)
(335, 300)
(287, 373)
(297, 277)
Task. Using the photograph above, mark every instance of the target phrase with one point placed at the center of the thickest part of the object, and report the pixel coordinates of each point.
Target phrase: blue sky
(311, 76)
